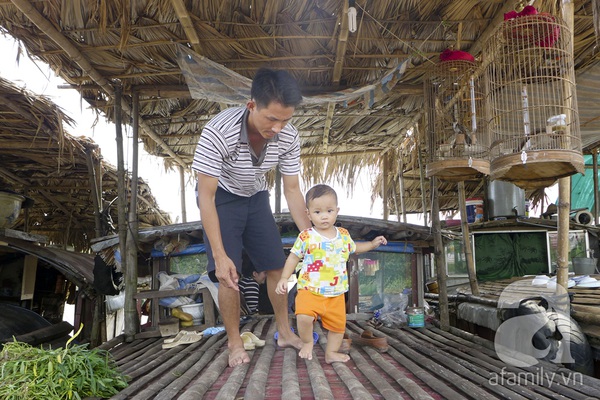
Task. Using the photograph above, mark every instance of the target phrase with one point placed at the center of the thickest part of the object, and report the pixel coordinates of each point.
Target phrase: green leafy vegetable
(74, 372)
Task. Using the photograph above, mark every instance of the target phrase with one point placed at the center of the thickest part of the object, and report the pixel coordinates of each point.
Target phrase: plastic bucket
(584, 266)
(474, 210)
(416, 317)
(196, 310)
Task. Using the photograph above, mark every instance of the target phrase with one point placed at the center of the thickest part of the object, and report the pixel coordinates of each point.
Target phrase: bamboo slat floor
(421, 363)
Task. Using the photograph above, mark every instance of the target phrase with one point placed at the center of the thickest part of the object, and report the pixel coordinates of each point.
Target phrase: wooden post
(96, 200)
(596, 194)
(122, 195)
(385, 186)
(132, 318)
(462, 203)
(401, 178)
(440, 260)
(182, 186)
(564, 186)
(564, 208)
(277, 191)
(422, 181)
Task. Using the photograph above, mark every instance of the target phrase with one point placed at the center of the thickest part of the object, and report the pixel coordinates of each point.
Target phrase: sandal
(189, 338)
(177, 337)
(248, 342)
(368, 339)
(254, 339)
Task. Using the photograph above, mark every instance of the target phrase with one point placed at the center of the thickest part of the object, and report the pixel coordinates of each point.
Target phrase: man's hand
(226, 273)
(282, 286)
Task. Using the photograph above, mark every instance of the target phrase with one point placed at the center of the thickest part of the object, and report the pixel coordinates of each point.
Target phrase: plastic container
(474, 210)
(416, 317)
(196, 310)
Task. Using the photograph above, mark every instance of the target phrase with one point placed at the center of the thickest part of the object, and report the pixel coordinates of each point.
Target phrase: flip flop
(276, 335)
(257, 342)
(248, 342)
(189, 338)
(177, 337)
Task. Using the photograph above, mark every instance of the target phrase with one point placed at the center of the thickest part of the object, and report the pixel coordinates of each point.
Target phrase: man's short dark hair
(277, 86)
(318, 191)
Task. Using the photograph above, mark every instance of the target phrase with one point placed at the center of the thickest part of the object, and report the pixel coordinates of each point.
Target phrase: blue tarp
(582, 187)
(392, 247)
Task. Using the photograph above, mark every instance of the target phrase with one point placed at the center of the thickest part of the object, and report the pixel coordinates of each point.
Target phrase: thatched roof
(97, 45)
(40, 159)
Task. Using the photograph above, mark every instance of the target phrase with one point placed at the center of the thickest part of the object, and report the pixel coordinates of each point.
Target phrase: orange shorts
(332, 310)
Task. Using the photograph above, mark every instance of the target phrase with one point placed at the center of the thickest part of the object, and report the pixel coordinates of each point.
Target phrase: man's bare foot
(336, 357)
(306, 351)
(238, 356)
(289, 339)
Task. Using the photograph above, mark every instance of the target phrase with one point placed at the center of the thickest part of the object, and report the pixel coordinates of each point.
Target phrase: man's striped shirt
(223, 152)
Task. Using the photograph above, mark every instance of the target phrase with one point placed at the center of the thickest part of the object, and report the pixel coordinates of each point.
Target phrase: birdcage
(530, 92)
(458, 142)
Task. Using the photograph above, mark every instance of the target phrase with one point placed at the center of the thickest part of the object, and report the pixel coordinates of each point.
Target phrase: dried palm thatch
(96, 45)
(45, 163)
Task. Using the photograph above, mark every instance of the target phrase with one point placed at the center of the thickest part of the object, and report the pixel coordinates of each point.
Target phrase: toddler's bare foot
(306, 351)
(336, 357)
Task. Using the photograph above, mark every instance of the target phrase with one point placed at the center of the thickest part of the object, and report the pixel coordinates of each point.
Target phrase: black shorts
(247, 223)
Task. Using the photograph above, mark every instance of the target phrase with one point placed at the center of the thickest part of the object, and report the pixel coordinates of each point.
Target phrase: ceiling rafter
(188, 26)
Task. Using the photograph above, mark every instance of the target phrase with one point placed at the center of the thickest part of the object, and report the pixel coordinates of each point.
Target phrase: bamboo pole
(564, 189)
(440, 260)
(401, 178)
(277, 191)
(386, 209)
(182, 196)
(122, 196)
(122, 206)
(596, 194)
(467, 239)
(422, 178)
(131, 274)
(96, 200)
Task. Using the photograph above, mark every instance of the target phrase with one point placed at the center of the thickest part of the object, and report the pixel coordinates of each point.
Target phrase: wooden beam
(338, 65)
(478, 46)
(188, 26)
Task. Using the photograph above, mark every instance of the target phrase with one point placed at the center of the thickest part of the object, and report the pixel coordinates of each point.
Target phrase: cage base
(542, 168)
(457, 170)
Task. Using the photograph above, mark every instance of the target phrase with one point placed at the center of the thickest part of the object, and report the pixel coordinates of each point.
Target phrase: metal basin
(10, 206)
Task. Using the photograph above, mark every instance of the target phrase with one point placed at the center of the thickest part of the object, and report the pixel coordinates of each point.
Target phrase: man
(235, 151)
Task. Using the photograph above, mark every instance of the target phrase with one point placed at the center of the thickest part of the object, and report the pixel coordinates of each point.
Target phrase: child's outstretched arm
(362, 247)
(288, 270)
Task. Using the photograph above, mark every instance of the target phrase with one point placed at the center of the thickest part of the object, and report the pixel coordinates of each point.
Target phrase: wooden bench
(153, 331)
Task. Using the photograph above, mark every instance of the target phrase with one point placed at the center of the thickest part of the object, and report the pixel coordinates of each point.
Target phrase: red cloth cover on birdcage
(452, 55)
(547, 32)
